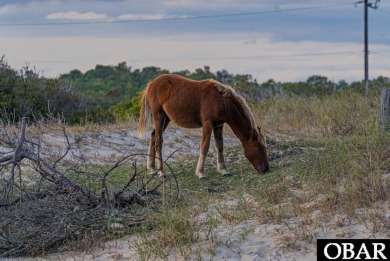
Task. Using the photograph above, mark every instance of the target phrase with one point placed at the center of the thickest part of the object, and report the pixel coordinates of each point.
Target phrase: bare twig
(132, 178)
(7, 190)
(68, 146)
(66, 201)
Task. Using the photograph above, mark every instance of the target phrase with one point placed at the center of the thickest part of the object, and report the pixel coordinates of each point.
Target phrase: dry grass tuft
(343, 114)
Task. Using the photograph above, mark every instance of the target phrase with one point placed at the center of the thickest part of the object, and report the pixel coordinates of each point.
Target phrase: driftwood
(48, 171)
(14, 157)
(68, 199)
(384, 111)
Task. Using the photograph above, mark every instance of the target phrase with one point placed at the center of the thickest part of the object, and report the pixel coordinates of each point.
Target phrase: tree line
(25, 93)
(112, 93)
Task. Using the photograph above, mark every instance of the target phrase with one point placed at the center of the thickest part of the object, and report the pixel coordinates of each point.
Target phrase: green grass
(335, 176)
(329, 160)
(334, 165)
(252, 196)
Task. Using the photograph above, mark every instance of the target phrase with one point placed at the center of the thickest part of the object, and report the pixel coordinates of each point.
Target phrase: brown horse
(206, 104)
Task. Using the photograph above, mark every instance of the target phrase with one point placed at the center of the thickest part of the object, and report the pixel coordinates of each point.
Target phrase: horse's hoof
(153, 172)
(200, 175)
(224, 172)
(228, 174)
(162, 174)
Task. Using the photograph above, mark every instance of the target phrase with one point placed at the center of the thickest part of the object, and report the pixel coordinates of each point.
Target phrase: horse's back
(186, 102)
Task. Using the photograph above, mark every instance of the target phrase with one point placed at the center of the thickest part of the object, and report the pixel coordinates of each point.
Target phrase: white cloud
(123, 17)
(55, 2)
(77, 16)
(157, 16)
(196, 4)
(7, 9)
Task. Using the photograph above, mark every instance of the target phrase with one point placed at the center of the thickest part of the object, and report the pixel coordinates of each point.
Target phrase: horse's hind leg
(161, 121)
(218, 137)
(151, 161)
(204, 148)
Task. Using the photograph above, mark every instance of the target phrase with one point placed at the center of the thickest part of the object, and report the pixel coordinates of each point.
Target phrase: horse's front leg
(204, 148)
(218, 137)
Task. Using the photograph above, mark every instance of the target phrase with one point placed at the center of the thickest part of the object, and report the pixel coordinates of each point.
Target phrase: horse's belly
(184, 118)
(187, 124)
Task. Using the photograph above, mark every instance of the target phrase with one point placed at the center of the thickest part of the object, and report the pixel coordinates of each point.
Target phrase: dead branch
(71, 198)
(44, 168)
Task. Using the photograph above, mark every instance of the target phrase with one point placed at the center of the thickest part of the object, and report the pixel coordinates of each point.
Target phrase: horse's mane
(228, 91)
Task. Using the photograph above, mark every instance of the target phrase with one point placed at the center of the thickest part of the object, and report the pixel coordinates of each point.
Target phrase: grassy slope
(327, 160)
(334, 165)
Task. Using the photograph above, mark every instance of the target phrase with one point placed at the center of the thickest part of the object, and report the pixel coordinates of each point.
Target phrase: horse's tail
(144, 115)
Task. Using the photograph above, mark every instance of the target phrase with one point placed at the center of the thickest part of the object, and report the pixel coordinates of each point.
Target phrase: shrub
(27, 94)
(127, 109)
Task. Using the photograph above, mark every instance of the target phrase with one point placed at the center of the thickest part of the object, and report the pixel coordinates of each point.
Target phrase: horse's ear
(260, 136)
(253, 134)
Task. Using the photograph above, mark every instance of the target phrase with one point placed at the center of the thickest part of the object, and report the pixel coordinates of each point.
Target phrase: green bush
(127, 109)
(25, 93)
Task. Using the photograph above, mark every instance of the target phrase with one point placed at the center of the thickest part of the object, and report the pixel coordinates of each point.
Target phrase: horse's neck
(239, 123)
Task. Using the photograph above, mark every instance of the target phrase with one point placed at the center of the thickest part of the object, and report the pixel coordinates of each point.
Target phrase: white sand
(247, 240)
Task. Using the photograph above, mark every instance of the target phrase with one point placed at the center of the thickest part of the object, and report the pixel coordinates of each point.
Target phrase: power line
(262, 56)
(383, 11)
(219, 58)
(380, 54)
(178, 18)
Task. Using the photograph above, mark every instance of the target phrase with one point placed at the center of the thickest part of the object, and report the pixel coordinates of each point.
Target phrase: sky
(284, 40)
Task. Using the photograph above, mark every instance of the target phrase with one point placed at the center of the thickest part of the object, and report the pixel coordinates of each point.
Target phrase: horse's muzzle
(264, 170)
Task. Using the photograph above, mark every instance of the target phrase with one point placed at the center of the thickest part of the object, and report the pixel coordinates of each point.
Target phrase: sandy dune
(248, 240)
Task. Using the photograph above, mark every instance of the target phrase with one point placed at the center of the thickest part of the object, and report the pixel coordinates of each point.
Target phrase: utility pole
(366, 47)
(366, 6)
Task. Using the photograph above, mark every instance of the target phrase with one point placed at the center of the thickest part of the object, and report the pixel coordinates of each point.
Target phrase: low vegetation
(108, 94)
(328, 162)
(25, 93)
(329, 165)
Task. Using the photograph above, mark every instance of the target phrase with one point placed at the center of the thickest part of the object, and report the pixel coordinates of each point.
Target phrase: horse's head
(255, 151)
